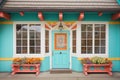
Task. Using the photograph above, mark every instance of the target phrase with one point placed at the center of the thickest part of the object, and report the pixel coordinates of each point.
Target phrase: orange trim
(69, 24)
(52, 24)
(60, 41)
(6, 22)
(47, 27)
(9, 59)
(74, 27)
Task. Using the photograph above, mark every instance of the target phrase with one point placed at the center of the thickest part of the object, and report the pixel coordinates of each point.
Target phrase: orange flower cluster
(26, 60)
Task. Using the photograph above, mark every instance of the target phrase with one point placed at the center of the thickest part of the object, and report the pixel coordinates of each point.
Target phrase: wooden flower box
(97, 68)
(25, 68)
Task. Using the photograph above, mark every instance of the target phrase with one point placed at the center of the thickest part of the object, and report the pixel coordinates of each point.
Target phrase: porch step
(55, 71)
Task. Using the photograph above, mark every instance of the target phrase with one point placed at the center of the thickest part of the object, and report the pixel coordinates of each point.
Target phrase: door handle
(60, 52)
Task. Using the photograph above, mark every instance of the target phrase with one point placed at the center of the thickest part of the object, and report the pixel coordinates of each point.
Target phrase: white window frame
(42, 40)
(78, 54)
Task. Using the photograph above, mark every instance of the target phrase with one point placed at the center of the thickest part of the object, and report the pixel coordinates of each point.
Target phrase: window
(93, 39)
(74, 41)
(28, 38)
(46, 41)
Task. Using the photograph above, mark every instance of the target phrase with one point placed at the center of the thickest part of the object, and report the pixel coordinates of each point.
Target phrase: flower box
(25, 68)
(96, 64)
(97, 68)
(26, 65)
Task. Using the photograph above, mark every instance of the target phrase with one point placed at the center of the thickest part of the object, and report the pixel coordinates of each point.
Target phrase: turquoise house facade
(100, 38)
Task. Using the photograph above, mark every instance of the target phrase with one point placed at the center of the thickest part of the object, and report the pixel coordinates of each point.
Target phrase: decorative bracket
(4, 15)
(40, 16)
(100, 13)
(81, 16)
(22, 13)
(60, 16)
(116, 16)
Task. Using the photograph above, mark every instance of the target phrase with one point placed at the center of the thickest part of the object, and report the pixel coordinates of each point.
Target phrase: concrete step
(55, 71)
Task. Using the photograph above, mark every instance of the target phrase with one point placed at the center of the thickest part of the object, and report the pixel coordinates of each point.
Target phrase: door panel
(60, 49)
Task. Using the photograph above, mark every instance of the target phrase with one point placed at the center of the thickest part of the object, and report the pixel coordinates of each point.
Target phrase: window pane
(18, 43)
(97, 27)
(83, 27)
(32, 35)
(83, 42)
(24, 50)
(89, 35)
(83, 35)
(24, 43)
(102, 42)
(97, 34)
(97, 42)
(97, 50)
(103, 27)
(74, 50)
(32, 50)
(103, 35)
(37, 42)
(32, 42)
(46, 49)
(46, 41)
(18, 27)
(24, 34)
(38, 35)
(74, 34)
(89, 50)
(24, 27)
(74, 43)
(103, 50)
(89, 42)
(83, 49)
(18, 49)
(37, 49)
(89, 27)
(18, 34)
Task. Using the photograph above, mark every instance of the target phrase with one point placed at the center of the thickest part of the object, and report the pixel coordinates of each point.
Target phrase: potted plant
(98, 63)
(26, 65)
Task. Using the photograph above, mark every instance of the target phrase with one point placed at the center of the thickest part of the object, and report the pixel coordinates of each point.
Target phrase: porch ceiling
(60, 5)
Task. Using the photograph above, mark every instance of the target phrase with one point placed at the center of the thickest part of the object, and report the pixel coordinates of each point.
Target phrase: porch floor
(48, 76)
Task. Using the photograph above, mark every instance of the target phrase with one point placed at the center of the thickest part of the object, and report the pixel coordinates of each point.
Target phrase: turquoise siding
(6, 41)
(45, 66)
(76, 65)
(6, 37)
(114, 45)
(5, 66)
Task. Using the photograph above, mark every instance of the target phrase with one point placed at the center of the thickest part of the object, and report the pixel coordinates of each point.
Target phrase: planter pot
(90, 68)
(25, 68)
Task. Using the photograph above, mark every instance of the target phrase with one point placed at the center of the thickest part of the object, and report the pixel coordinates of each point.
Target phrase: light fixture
(60, 26)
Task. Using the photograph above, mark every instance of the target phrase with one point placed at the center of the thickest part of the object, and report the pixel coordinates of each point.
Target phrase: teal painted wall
(6, 46)
(76, 65)
(6, 41)
(6, 37)
(114, 44)
(45, 66)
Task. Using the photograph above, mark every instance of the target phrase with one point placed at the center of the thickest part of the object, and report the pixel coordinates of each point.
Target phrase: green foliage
(95, 60)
